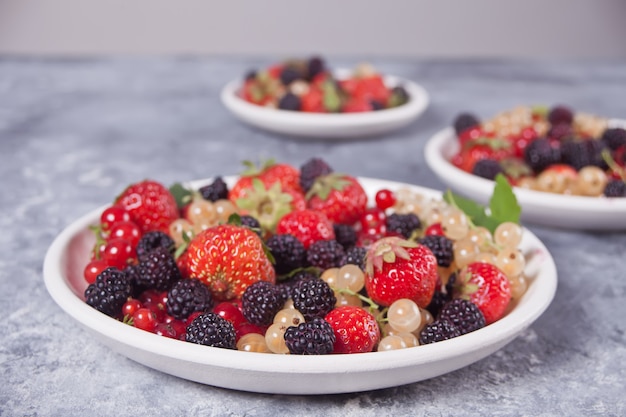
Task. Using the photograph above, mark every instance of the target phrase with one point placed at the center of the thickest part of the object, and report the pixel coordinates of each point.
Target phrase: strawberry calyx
(253, 170)
(331, 98)
(462, 287)
(325, 184)
(267, 205)
(100, 240)
(387, 250)
(515, 168)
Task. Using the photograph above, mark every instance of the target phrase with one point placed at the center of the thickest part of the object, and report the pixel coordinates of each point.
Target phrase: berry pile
(298, 261)
(552, 150)
(307, 85)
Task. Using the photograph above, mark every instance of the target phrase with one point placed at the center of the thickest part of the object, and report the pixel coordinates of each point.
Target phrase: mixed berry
(308, 85)
(554, 150)
(299, 260)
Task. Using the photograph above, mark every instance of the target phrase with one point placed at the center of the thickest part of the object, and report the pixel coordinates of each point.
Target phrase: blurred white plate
(547, 209)
(289, 374)
(329, 126)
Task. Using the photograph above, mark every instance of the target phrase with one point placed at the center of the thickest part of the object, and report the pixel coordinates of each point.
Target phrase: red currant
(230, 312)
(434, 229)
(246, 328)
(126, 230)
(158, 309)
(130, 306)
(192, 316)
(112, 215)
(145, 319)
(118, 252)
(373, 217)
(385, 199)
(93, 269)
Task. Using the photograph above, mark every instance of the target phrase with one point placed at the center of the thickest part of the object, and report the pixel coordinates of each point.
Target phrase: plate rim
(522, 316)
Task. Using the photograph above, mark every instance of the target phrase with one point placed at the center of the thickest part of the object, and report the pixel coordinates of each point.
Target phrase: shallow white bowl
(289, 374)
(547, 209)
(328, 126)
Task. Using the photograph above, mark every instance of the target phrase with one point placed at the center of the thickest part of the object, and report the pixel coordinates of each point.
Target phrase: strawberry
(486, 286)
(398, 268)
(481, 148)
(307, 226)
(313, 101)
(150, 205)
(372, 87)
(269, 173)
(356, 330)
(228, 258)
(357, 105)
(340, 197)
(521, 141)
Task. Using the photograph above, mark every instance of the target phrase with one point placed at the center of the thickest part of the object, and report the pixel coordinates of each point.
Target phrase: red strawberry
(357, 105)
(398, 268)
(372, 88)
(307, 226)
(486, 286)
(481, 148)
(521, 141)
(150, 204)
(356, 330)
(313, 101)
(340, 197)
(228, 258)
(269, 173)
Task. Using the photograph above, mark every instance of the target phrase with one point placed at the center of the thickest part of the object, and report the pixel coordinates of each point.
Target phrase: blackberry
(325, 254)
(217, 190)
(158, 270)
(290, 101)
(441, 247)
(487, 168)
(560, 114)
(315, 66)
(286, 286)
(345, 235)
(540, 154)
(403, 224)
(464, 121)
(355, 256)
(109, 292)
(438, 331)
(209, 329)
(376, 105)
(615, 188)
(439, 299)
(310, 338)
(188, 296)
(289, 75)
(251, 223)
(561, 132)
(580, 154)
(260, 302)
(614, 138)
(250, 75)
(313, 298)
(313, 168)
(289, 253)
(152, 240)
(463, 314)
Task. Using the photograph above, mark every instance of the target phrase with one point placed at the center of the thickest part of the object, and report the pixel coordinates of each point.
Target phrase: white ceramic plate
(547, 209)
(289, 374)
(328, 126)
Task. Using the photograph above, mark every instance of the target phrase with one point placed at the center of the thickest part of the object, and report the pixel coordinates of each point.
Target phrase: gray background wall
(445, 28)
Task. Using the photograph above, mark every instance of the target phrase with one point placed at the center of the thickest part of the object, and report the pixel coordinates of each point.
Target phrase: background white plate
(289, 374)
(547, 209)
(328, 126)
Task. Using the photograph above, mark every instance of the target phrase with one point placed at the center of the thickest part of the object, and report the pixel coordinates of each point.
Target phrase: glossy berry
(614, 138)
(145, 319)
(438, 331)
(441, 247)
(487, 168)
(216, 190)
(385, 199)
(260, 302)
(313, 298)
(355, 256)
(158, 270)
(150, 204)
(126, 230)
(356, 330)
(325, 254)
(188, 296)
(118, 252)
(153, 240)
(560, 114)
(112, 215)
(288, 253)
(345, 234)
(615, 188)
(230, 312)
(93, 269)
(487, 287)
(580, 154)
(109, 292)
(463, 314)
(311, 170)
(403, 224)
(210, 329)
(310, 338)
(307, 226)
(540, 154)
(464, 121)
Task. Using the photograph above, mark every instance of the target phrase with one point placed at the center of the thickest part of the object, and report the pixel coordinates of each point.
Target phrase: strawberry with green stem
(340, 197)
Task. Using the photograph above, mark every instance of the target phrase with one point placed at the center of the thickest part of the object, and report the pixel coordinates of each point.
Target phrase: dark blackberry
(325, 254)
(289, 253)
(615, 188)
(152, 240)
(158, 270)
(260, 302)
(439, 299)
(315, 66)
(345, 235)
(188, 296)
(463, 314)
(313, 298)
(290, 101)
(487, 168)
(464, 121)
(217, 190)
(310, 338)
(286, 286)
(109, 292)
(614, 138)
(540, 154)
(580, 154)
(313, 168)
(438, 331)
(355, 256)
(441, 247)
(377, 105)
(560, 114)
(251, 223)
(403, 224)
(289, 75)
(209, 329)
(561, 132)
(250, 75)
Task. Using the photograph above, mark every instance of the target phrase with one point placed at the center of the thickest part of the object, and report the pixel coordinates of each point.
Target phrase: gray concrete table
(73, 131)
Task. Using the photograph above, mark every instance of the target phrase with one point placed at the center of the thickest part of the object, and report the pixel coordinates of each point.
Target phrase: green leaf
(467, 206)
(181, 194)
(331, 99)
(503, 203)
